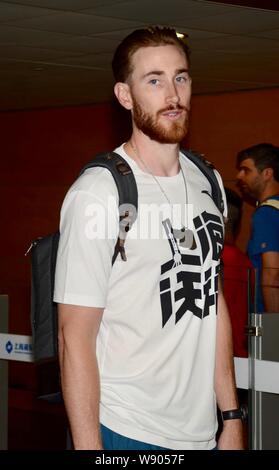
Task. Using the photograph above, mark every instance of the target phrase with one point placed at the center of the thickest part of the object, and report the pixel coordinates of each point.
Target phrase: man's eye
(181, 79)
(154, 81)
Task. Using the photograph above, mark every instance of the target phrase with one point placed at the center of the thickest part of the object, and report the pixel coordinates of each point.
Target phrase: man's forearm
(81, 392)
(225, 387)
(271, 299)
(270, 281)
(270, 291)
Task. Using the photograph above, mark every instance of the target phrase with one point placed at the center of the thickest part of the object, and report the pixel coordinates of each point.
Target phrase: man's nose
(239, 175)
(172, 94)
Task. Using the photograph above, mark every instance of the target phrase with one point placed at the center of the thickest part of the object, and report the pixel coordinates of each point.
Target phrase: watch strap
(232, 414)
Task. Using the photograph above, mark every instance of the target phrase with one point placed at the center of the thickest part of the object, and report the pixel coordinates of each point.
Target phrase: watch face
(244, 412)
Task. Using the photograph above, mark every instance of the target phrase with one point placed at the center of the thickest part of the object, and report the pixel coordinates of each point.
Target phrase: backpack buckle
(122, 168)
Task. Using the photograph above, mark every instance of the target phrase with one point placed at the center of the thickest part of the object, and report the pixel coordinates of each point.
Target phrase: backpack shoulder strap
(122, 173)
(126, 185)
(207, 168)
(270, 203)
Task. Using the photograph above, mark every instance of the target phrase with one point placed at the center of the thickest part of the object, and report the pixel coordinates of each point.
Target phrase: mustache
(178, 107)
(240, 184)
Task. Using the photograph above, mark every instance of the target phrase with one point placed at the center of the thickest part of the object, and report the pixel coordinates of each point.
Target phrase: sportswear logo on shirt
(182, 280)
(204, 191)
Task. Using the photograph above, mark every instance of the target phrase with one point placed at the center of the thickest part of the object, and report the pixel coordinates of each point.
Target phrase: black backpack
(43, 261)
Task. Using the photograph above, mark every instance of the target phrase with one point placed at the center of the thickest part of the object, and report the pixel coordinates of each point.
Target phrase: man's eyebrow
(153, 72)
(160, 72)
(178, 71)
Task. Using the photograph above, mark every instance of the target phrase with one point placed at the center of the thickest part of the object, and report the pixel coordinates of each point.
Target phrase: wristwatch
(237, 413)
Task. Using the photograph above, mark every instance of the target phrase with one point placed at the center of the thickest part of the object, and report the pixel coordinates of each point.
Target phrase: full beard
(249, 194)
(151, 127)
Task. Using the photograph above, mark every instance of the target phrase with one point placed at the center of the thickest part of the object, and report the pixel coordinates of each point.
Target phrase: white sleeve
(89, 226)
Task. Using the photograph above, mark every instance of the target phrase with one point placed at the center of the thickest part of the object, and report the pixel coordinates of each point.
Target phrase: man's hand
(231, 437)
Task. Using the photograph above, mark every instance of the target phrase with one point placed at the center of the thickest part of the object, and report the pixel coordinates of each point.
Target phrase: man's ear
(122, 93)
(268, 173)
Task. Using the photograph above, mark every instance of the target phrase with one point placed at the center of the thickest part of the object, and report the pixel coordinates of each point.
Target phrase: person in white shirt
(145, 345)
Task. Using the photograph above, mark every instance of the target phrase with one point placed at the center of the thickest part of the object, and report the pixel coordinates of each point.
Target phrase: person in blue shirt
(258, 178)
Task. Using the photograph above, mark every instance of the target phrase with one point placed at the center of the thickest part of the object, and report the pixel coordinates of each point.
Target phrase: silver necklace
(188, 240)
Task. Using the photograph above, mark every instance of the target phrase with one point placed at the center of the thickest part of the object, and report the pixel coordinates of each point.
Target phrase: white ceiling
(58, 52)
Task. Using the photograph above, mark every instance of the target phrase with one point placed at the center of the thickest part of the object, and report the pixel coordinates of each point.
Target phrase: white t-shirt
(156, 343)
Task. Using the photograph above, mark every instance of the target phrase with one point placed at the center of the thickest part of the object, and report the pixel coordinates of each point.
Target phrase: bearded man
(143, 352)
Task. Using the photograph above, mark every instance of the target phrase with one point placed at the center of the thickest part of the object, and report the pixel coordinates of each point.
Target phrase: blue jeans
(114, 441)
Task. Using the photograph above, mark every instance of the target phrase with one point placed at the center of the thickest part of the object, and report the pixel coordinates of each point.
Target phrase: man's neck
(271, 190)
(160, 159)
